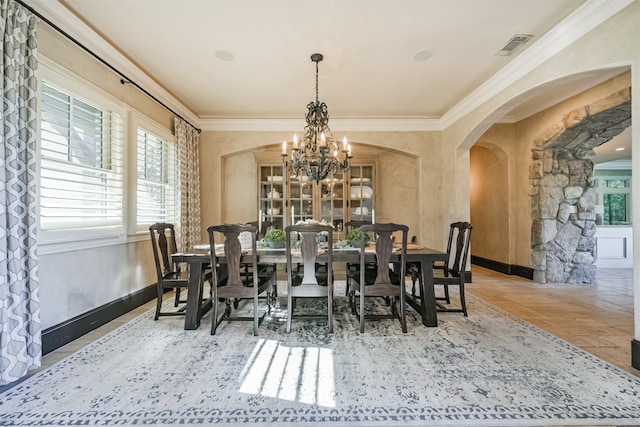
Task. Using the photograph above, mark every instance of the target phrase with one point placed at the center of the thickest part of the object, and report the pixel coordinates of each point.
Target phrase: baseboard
(510, 269)
(635, 354)
(62, 334)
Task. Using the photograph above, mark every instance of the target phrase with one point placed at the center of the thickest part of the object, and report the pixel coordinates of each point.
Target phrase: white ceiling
(368, 46)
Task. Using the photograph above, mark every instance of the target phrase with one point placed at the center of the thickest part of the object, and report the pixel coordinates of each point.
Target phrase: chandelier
(318, 154)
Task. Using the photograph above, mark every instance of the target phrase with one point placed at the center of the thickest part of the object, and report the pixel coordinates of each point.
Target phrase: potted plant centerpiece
(355, 238)
(275, 238)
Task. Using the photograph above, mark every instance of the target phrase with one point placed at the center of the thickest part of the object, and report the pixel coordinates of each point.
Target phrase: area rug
(489, 369)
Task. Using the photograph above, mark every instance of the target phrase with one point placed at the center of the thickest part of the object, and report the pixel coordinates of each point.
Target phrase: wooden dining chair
(169, 274)
(352, 269)
(264, 270)
(383, 282)
(452, 273)
(315, 277)
(236, 286)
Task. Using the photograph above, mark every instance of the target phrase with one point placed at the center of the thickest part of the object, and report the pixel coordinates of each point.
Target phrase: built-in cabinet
(362, 192)
(272, 203)
(284, 198)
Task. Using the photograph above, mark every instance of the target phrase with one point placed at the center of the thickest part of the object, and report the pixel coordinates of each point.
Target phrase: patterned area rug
(487, 369)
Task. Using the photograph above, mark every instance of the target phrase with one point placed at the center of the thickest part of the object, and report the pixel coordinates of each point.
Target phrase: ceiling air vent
(514, 44)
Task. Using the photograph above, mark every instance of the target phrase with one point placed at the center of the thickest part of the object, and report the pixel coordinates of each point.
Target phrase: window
(615, 209)
(613, 194)
(157, 179)
(615, 183)
(81, 166)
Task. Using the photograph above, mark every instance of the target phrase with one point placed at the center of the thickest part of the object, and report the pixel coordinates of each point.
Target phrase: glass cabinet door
(301, 196)
(331, 200)
(285, 199)
(361, 193)
(271, 194)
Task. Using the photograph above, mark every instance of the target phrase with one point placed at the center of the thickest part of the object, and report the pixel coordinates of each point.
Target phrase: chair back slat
(233, 251)
(309, 249)
(163, 241)
(462, 232)
(384, 249)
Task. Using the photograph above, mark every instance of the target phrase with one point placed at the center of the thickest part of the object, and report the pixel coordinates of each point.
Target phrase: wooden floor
(597, 318)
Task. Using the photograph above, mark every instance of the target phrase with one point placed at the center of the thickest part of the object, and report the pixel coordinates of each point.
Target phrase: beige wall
(409, 170)
(490, 207)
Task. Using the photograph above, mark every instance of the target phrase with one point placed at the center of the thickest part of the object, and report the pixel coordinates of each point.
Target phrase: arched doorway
(490, 204)
(563, 244)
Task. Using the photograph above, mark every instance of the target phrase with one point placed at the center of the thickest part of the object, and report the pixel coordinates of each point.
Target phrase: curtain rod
(123, 78)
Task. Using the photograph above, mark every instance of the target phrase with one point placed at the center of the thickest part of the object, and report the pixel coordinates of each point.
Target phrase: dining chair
(264, 270)
(383, 281)
(169, 274)
(353, 268)
(452, 272)
(315, 277)
(236, 286)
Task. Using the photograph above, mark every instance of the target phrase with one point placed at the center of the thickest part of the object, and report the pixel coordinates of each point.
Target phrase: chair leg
(330, 308)
(446, 294)
(255, 313)
(361, 308)
(462, 300)
(403, 314)
(177, 299)
(158, 304)
(289, 310)
(214, 320)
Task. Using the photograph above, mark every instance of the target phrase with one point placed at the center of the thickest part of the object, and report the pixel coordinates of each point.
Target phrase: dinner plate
(205, 247)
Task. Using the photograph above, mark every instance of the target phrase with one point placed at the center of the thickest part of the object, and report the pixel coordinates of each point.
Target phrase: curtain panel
(187, 139)
(20, 333)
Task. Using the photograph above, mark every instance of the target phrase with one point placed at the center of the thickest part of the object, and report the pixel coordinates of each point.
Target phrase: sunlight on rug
(297, 374)
(489, 369)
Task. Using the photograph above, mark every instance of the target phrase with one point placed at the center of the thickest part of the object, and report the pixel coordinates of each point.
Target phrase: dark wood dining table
(425, 305)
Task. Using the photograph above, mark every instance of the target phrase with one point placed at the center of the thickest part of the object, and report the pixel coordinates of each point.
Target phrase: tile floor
(597, 318)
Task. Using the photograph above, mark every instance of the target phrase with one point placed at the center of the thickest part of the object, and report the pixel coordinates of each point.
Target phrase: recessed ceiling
(251, 59)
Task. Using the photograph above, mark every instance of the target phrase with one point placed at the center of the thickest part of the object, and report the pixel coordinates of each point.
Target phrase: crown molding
(584, 19)
(60, 16)
(580, 22)
(337, 125)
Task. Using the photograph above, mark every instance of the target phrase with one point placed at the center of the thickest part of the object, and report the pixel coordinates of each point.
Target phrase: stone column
(563, 214)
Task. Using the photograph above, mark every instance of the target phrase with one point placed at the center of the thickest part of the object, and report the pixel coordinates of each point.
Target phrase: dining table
(199, 259)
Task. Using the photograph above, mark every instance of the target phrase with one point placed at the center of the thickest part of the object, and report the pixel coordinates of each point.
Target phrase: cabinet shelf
(329, 200)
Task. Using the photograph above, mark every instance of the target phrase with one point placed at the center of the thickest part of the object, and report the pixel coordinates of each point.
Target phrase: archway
(563, 244)
(490, 205)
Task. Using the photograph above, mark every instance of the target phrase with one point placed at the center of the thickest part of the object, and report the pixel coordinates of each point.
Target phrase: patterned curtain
(189, 165)
(20, 333)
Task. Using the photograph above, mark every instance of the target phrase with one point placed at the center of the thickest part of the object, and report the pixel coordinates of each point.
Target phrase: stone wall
(562, 196)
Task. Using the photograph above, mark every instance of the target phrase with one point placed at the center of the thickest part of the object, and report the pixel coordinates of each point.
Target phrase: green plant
(275, 235)
(355, 235)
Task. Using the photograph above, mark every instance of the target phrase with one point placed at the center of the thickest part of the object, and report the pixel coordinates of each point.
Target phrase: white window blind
(81, 184)
(157, 179)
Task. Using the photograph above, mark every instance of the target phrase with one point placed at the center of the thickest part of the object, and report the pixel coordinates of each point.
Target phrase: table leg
(428, 295)
(194, 292)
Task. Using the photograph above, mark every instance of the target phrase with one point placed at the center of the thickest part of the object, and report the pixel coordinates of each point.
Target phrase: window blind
(157, 179)
(81, 163)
